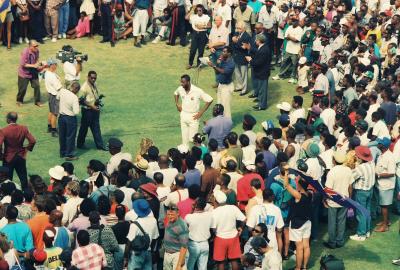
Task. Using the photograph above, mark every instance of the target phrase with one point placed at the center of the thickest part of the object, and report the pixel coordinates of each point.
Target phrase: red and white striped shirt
(90, 257)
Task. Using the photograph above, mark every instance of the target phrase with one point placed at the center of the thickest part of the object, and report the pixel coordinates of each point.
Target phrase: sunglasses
(257, 231)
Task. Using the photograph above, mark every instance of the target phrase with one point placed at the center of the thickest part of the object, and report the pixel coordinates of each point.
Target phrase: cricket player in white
(190, 107)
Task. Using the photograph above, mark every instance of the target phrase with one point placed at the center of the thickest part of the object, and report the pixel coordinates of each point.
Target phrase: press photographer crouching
(72, 64)
(91, 102)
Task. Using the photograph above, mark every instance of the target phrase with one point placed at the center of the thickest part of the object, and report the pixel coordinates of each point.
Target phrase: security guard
(90, 112)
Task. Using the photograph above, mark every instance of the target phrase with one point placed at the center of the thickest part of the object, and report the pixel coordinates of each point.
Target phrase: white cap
(285, 106)
(57, 172)
(302, 60)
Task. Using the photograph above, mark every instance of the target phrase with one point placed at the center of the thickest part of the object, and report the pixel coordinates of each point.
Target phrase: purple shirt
(27, 57)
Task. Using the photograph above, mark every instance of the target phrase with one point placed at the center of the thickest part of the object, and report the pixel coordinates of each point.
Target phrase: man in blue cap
(385, 170)
(144, 224)
(53, 86)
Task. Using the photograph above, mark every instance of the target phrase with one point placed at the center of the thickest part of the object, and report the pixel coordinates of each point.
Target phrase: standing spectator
(226, 241)
(338, 179)
(72, 70)
(144, 223)
(139, 23)
(51, 19)
(14, 154)
(178, 27)
(385, 171)
(200, 23)
(217, 40)
(199, 223)
(268, 17)
(63, 18)
(68, 122)
(289, 63)
(88, 256)
(219, 126)
(244, 13)
(176, 240)
(244, 188)
(189, 108)
(28, 71)
(105, 12)
(90, 112)
(53, 86)
(364, 180)
(209, 177)
(240, 38)
(260, 62)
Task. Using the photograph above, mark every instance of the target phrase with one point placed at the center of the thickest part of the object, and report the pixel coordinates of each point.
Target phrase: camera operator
(53, 86)
(73, 70)
(28, 72)
(91, 103)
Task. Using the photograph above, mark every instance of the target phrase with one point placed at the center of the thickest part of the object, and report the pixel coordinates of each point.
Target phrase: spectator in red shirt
(244, 190)
(186, 206)
(13, 137)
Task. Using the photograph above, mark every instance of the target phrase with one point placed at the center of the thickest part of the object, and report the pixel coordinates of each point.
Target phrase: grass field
(139, 86)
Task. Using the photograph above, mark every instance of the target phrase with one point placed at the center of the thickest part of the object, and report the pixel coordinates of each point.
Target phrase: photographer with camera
(72, 70)
(91, 102)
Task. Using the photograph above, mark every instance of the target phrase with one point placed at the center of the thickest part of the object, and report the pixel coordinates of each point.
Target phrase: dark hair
(291, 133)
(196, 153)
(83, 238)
(276, 133)
(119, 196)
(198, 138)
(266, 143)
(185, 77)
(244, 140)
(207, 160)
(103, 205)
(213, 144)
(122, 180)
(153, 152)
(282, 157)
(120, 211)
(231, 165)
(256, 183)
(330, 140)
(298, 100)
(96, 165)
(158, 177)
(28, 195)
(17, 197)
(91, 72)
(194, 191)
(232, 138)
(249, 258)
(226, 179)
(349, 79)
(40, 202)
(87, 206)
(201, 203)
(303, 184)
(50, 203)
(12, 117)
(83, 189)
(268, 195)
(229, 49)
(176, 157)
(190, 162)
(124, 167)
(11, 212)
(68, 167)
(7, 188)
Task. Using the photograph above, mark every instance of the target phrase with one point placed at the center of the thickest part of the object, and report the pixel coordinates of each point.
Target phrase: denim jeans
(63, 17)
(119, 259)
(198, 254)
(336, 225)
(140, 261)
(67, 127)
(363, 197)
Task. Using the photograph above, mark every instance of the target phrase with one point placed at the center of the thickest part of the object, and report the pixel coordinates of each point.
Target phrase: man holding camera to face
(72, 69)
(90, 101)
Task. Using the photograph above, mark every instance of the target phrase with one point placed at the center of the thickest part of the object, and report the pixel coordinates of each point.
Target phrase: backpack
(141, 242)
(330, 262)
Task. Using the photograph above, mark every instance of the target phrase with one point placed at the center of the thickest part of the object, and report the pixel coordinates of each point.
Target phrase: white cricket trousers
(140, 22)
(224, 97)
(189, 127)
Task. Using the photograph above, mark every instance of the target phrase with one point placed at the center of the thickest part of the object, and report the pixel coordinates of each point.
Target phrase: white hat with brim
(285, 106)
(57, 172)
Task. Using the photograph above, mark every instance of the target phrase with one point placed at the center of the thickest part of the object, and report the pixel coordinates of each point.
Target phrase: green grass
(139, 86)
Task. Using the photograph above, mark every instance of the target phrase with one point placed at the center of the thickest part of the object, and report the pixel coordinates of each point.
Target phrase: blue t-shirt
(228, 67)
(142, 4)
(192, 177)
(255, 5)
(62, 238)
(20, 234)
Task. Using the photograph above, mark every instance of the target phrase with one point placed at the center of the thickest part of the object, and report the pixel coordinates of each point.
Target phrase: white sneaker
(59, 36)
(46, 38)
(291, 80)
(356, 237)
(156, 40)
(275, 78)
(64, 35)
(20, 40)
(53, 39)
(26, 40)
(368, 234)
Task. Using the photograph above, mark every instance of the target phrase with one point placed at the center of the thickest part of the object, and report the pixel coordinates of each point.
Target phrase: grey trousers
(51, 23)
(336, 225)
(241, 78)
(289, 65)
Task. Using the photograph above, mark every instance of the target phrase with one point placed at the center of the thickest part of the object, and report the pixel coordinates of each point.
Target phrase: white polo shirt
(224, 220)
(191, 99)
(267, 19)
(328, 116)
(196, 20)
(115, 160)
(70, 71)
(199, 226)
(69, 103)
(52, 83)
(380, 129)
(386, 163)
(297, 33)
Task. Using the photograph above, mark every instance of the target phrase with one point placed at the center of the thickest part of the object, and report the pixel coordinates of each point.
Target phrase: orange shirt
(38, 224)
(114, 205)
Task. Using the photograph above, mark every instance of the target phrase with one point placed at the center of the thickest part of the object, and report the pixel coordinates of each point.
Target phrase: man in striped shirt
(364, 180)
(88, 256)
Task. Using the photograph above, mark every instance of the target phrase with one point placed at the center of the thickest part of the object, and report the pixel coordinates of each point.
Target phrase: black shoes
(327, 245)
(243, 94)
(252, 96)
